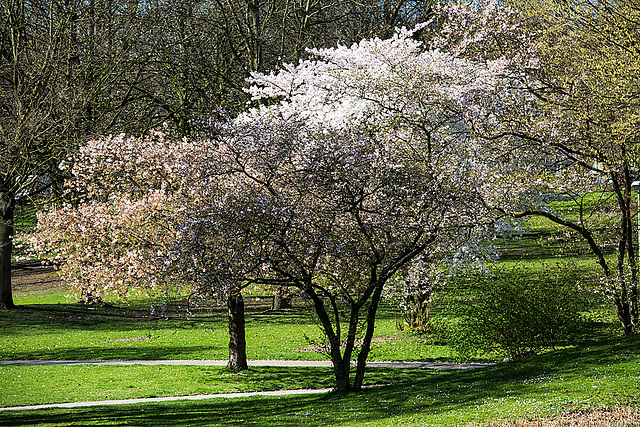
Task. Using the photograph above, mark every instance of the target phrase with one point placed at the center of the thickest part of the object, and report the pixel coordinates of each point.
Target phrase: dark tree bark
(279, 300)
(237, 342)
(341, 365)
(368, 336)
(7, 203)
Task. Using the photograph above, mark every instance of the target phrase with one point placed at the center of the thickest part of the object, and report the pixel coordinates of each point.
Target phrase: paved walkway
(277, 363)
(167, 399)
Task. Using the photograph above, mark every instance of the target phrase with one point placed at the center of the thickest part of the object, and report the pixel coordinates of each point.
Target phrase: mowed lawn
(599, 371)
(601, 374)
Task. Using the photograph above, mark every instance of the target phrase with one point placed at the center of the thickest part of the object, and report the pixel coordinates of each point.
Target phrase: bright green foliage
(521, 313)
(587, 96)
(589, 67)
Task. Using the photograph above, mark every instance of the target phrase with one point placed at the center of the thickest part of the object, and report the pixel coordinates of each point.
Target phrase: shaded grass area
(71, 331)
(598, 374)
(42, 329)
(35, 385)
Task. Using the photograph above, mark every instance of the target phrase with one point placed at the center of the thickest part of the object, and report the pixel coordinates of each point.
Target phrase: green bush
(520, 312)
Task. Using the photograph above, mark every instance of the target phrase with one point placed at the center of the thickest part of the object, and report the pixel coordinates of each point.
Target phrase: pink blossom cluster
(119, 232)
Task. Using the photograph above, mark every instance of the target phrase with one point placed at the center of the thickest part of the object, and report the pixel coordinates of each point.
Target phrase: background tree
(562, 118)
(60, 69)
(187, 65)
(197, 54)
(590, 59)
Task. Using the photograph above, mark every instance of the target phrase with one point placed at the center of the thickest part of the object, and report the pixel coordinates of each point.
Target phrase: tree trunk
(341, 364)
(237, 342)
(631, 254)
(624, 313)
(368, 336)
(255, 34)
(623, 193)
(341, 368)
(279, 300)
(7, 203)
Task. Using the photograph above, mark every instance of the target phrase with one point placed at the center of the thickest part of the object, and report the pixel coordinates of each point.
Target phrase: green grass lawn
(598, 374)
(598, 369)
(50, 327)
(35, 385)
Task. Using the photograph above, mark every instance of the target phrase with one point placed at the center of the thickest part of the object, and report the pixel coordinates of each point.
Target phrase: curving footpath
(167, 399)
(275, 363)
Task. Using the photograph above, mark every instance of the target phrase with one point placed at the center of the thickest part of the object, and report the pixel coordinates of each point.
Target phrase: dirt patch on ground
(34, 278)
(324, 347)
(626, 417)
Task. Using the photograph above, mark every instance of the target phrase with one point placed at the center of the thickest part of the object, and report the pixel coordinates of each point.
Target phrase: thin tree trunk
(279, 300)
(368, 336)
(255, 34)
(341, 366)
(237, 341)
(631, 255)
(623, 306)
(7, 204)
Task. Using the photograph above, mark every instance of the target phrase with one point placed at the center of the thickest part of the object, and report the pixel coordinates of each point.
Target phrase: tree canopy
(357, 160)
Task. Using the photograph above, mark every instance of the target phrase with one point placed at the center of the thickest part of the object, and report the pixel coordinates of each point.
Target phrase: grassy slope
(35, 385)
(599, 374)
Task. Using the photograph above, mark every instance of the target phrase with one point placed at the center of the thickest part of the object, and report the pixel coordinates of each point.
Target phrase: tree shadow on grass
(451, 398)
(120, 317)
(145, 351)
(434, 396)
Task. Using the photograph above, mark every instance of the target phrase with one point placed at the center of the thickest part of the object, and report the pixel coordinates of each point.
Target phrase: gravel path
(167, 399)
(277, 363)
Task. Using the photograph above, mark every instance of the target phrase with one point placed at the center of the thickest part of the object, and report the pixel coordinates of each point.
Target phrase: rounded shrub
(519, 312)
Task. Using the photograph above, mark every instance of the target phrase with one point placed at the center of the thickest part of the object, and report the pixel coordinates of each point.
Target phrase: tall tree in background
(60, 64)
(266, 33)
(186, 65)
(563, 119)
(589, 88)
